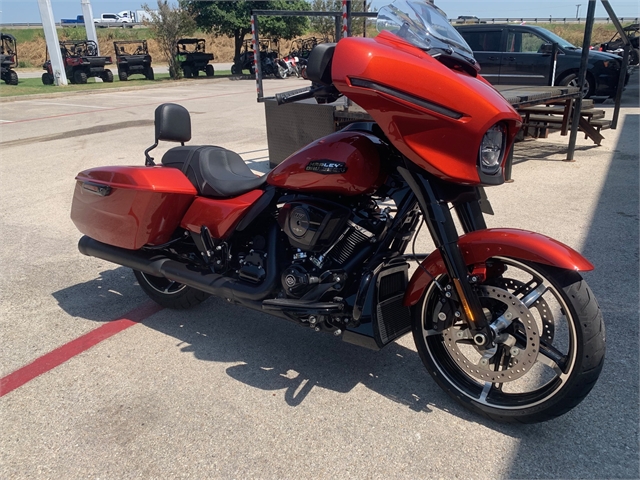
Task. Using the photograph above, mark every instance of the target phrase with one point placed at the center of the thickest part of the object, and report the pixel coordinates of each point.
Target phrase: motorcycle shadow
(271, 354)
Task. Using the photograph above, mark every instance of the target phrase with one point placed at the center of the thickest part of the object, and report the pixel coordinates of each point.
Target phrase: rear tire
(80, 77)
(571, 80)
(235, 70)
(107, 76)
(556, 354)
(47, 78)
(11, 78)
(209, 70)
(123, 76)
(170, 294)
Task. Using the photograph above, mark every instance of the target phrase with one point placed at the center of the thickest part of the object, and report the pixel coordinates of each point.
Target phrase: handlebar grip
(294, 95)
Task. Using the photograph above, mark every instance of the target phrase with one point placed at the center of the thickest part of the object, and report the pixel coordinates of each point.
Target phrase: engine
(325, 235)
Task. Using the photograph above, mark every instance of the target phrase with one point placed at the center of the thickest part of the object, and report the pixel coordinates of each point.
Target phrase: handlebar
(295, 95)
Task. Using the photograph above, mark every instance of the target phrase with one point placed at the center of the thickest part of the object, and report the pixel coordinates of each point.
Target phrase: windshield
(559, 40)
(422, 24)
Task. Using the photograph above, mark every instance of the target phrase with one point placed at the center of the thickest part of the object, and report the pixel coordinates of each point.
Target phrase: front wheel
(168, 293)
(548, 353)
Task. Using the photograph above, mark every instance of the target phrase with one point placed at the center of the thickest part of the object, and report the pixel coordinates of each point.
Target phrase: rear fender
(478, 246)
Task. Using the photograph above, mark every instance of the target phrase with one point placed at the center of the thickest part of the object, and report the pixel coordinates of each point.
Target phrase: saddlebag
(130, 207)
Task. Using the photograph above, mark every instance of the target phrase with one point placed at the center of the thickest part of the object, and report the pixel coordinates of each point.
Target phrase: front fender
(478, 246)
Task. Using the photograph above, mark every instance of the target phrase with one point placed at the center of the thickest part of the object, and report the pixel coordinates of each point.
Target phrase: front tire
(550, 356)
(168, 293)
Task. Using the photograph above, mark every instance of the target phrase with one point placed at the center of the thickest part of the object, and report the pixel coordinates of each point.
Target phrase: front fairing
(433, 114)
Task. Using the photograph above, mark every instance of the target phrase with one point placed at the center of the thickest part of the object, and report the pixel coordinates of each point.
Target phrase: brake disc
(483, 365)
(544, 312)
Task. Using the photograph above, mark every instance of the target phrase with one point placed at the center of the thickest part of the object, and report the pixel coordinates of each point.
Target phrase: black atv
(81, 61)
(8, 58)
(268, 59)
(191, 56)
(132, 57)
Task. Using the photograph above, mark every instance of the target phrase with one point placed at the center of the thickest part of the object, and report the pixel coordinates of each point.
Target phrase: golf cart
(268, 59)
(132, 57)
(8, 58)
(191, 56)
(81, 61)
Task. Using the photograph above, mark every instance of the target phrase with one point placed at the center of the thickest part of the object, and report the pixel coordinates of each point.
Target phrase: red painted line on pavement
(57, 357)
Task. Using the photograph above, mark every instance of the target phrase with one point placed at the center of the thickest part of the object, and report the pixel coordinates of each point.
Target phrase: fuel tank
(435, 114)
(343, 163)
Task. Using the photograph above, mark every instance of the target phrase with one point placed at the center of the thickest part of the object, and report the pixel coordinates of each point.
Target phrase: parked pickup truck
(79, 20)
(111, 18)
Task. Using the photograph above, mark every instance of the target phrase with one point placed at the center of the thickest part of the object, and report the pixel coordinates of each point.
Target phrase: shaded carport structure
(572, 101)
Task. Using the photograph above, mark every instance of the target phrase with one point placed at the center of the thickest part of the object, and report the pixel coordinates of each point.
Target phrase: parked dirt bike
(501, 318)
(288, 66)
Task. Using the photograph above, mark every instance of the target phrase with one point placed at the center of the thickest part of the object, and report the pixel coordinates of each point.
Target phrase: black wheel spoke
(551, 357)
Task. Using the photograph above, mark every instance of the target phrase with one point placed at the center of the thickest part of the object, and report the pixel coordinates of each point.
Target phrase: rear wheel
(107, 76)
(47, 78)
(546, 358)
(209, 70)
(80, 77)
(123, 75)
(235, 70)
(168, 293)
(196, 73)
(571, 80)
(11, 78)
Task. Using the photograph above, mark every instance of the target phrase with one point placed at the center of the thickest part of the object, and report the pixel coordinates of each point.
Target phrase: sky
(19, 11)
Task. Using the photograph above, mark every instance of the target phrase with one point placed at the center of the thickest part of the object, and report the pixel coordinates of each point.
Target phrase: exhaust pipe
(160, 266)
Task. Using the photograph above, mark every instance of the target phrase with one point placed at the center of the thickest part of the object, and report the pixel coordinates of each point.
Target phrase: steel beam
(53, 44)
(90, 27)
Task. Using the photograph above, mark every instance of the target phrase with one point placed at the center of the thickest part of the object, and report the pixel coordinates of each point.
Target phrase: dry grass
(31, 49)
(31, 53)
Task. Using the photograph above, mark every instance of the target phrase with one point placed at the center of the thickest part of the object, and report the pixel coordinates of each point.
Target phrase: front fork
(434, 201)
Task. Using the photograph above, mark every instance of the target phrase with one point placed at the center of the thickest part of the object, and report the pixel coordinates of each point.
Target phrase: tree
(233, 19)
(168, 25)
(326, 26)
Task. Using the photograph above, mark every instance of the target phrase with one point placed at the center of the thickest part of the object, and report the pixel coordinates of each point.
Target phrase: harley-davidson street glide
(501, 318)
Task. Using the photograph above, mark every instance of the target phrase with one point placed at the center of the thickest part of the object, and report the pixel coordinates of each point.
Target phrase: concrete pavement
(223, 392)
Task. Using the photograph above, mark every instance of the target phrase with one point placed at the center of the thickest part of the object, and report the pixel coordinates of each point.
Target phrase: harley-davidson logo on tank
(326, 166)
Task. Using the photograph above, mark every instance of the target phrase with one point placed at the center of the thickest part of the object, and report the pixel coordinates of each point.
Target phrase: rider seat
(214, 171)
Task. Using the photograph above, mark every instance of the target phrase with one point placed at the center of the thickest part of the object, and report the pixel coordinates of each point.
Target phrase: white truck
(135, 16)
(110, 18)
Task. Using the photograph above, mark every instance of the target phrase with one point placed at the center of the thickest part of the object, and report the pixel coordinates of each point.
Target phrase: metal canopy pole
(255, 40)
(53, 44)
(582, 75)
(87, 14)
(625, 60)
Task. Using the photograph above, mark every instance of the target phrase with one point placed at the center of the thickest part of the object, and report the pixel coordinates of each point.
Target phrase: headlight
(492, 149)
